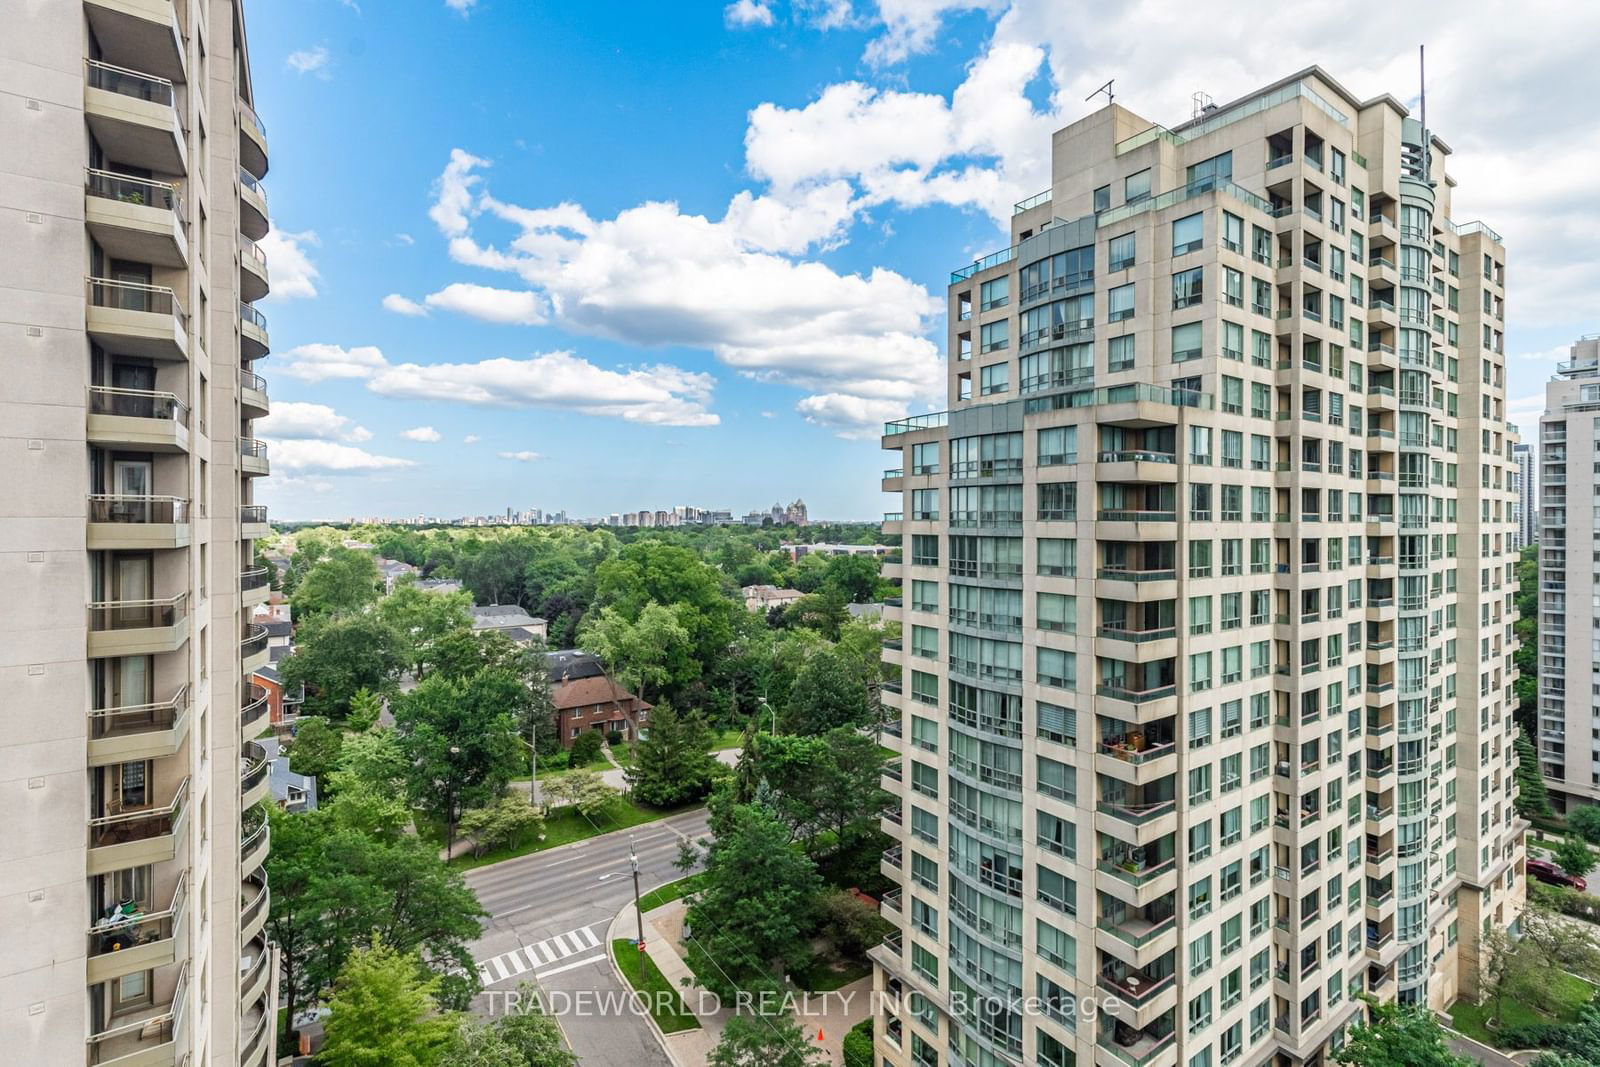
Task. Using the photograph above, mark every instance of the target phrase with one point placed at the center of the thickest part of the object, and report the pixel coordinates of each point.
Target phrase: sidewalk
(831, 1014)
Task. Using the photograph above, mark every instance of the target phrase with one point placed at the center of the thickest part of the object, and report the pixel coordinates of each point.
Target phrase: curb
(612, 937)
(654, 823)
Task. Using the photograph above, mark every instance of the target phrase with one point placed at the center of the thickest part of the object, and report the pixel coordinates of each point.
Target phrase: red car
(1548, 872)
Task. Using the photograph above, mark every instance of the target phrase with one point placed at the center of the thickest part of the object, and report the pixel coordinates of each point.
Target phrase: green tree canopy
(337, 655)
(382, 1013)
(1574, 857)
(422, 617)
(827, 693)
(673, 765)
(753, 912)
(670, 575)
(345, 581)
(460, 741)
(645, 653)
(1582, 819)
(1399, 1036)
(315, 748)
(765, 1041)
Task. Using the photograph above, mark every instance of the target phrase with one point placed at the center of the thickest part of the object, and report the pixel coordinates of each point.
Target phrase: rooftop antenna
(1422, 82)
(1111, 97)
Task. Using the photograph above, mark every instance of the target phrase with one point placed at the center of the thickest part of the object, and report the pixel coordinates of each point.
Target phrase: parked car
(1549, 873)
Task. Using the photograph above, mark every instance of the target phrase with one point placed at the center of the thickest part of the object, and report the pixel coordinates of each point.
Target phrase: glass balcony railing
(131, 83)
(128, 189)
(115, 508)
(137, 404)
(137, 614)
(136, 296)
(134, 719)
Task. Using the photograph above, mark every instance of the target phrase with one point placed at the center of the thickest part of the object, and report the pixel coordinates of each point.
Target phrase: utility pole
(533, 764)
(633, 859)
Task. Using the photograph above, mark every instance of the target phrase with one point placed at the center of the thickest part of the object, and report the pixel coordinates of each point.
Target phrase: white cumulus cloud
(746, 13)
(320, 362)
(522, 457)
(289, 264)
(310, 61)
(401, 305)
(301, 420)
(330, 457)
(510, 306)
(424, 434)
(471, 439)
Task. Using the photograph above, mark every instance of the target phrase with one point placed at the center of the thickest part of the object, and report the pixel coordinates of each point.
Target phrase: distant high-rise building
(1569, 712)
(1526, 487)
(1204, 699)
(132, 861)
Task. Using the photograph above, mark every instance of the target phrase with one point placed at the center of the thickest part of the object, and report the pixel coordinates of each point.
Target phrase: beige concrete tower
(1205, 683)
(132, 888)
(1569, 709)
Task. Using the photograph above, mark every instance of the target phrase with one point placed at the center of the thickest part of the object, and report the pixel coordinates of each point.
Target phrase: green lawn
(668, 893)
(730, 738)
(823, 977)
(564, 826)
(1471, 1019)
(646, 978)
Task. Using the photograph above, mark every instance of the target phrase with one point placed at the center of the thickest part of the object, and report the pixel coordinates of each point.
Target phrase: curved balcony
(134, 117)
(138, 523)
(253, 767)
(255, 585)
(254, 282)
(252, 332)
(138, 627)
(252, 141)
(255, 1029)
(253, 458)
(252, 207)
(135, 838)
(138, 419)
(253, 647)
(131, 942)
(255, 965)
(147, 1038)
(139, 33)
(254, 902)
(254, 709)
(134, 218)
(141, 731)
(136, 319)
(255, 845)
(253, 522)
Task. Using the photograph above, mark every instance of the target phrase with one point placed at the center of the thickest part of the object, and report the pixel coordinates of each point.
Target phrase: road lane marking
(574, 965)
(541, 957)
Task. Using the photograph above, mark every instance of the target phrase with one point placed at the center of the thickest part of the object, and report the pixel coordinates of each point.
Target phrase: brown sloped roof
(585, 691)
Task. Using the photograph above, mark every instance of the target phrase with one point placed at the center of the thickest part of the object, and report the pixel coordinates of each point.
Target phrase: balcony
(253, 647)
(1136, 1048)
(137, 522)
(253, 458)
(252, 332)
(255, 967)
(139, 33)
(253, 218)
(254, 847)
(1134, 986)
(134, 117)
(254, 711)
(253, 522)
(138, 627)
(138, 419)
(252, 141)
(135, 319)
(146, 1038)
(140, 731)
(136, 218)
(254, 282)
(137, 837)
(254, 902)
(255, 585)
(254, 764)
(1136, 872)
(133, 942)
(255, 1043)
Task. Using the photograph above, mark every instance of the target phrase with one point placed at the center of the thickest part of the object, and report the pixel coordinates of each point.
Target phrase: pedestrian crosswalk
(532, 960)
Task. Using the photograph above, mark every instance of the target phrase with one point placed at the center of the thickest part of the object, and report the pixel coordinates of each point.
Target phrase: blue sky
(605, 257)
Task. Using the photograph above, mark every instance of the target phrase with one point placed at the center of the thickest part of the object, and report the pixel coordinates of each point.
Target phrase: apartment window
(1187, 341)
(1058, 500)
(1058, 445)
(925, 825)
(1056, 668)
(924, 503)
(925, 642)
(1233, 288)
(1232, 395)
(1102, 200)
(925, 688)
(1119, 303)
(1188, 287)
(1136, 187)
(924, 550)
(1120, 252)
(1119, 353)
(994, 336)
(995, 378)
(995, 293)
(1057, 613)
(1210, 171)
(1232, 229)
(1058, 556)
(924, 596)
(1188, 234)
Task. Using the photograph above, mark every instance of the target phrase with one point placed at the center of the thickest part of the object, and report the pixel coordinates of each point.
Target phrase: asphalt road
(549, 917)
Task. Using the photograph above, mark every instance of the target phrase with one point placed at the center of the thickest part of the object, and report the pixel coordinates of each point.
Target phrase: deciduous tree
(422, 618)
(460, 742)
(338, 655)
(1583, 819)
(383, 1014)
(828, 693)
(345, 581)
(315, 748)
(1573, 856)
(582, 790)
(764, 1041)
(1399, 1036)
(645, 653)
(509, 820)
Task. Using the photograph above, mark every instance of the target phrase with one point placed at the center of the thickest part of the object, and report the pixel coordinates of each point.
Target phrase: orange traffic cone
(819, 1033)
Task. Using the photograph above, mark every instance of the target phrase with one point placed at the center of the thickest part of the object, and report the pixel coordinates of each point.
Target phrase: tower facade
(132, 890)
(1204, 689)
